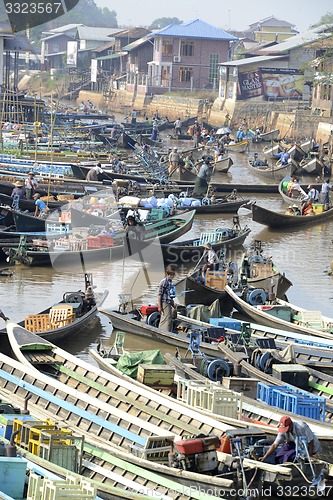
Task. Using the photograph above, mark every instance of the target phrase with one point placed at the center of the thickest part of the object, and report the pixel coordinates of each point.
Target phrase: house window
(167, 48)
(185, 74)
(187, 48)
(213, 68)
(55, 47)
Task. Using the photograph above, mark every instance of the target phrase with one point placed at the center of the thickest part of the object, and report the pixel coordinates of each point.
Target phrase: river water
(304, 255)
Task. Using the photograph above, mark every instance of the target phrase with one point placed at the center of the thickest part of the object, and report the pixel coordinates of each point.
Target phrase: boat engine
(150, 314)
(256, 297)
(196, 454)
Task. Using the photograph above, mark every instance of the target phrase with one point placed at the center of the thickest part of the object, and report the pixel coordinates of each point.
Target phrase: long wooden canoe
(260, 314)
(277, 220)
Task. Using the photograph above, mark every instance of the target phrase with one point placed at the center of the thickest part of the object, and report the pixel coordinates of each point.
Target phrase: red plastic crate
(93, 242)
(106, 241)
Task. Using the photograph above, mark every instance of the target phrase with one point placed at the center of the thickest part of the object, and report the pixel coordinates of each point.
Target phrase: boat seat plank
(39, 357)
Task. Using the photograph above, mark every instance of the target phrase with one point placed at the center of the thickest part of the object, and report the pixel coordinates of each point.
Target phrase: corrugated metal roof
(137, 43)
(105, 46)
(117, 55)
(298, 40)
(251, 60)
(63, 29)
(271, 21)
(95, 33)
(194, 29)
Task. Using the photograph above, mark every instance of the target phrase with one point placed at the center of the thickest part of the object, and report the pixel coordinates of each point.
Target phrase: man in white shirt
(288, 432)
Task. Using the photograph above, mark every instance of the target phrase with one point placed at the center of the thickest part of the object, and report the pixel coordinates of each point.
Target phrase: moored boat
(277, 220)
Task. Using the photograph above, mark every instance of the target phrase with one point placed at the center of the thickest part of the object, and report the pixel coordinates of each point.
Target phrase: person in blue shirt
(40, 205)
(18, 190)
(283, 156)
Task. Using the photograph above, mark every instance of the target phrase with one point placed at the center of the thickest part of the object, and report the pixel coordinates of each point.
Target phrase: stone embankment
(294, 119)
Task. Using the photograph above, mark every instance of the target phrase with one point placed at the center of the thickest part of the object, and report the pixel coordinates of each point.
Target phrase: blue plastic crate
(225, 322)
(293, 400)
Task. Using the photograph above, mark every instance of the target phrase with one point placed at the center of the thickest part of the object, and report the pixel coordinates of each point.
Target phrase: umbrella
(223, 131)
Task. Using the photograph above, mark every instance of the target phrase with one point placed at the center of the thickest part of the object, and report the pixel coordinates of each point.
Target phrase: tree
(161, 22)
(325, 19)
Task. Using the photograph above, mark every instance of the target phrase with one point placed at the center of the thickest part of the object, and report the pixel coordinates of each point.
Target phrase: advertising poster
(72, 53)
(250, 84)
(282, 83)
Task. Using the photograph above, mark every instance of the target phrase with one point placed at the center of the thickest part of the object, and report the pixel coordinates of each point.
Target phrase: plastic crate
(106, 241)
(293, 400)
(224, 322)
(93, 242)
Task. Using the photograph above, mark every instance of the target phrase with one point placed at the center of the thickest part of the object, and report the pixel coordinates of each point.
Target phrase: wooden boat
(270, 151)
(281, 314)
(125, 416)
(65, 254)
(276, 220)
(312, 166)
(69, 316)
(260, 271)
(26, 222)
(24, 204)
(192, 250)
(271, 135)
(297, 152)
(222, 166)
(276, 171)
(237, 147)
(297, 198)
(106, 438)
(227, 205)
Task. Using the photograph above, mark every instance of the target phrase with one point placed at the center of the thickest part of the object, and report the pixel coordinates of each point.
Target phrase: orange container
(93, 242)
(225, 446)
(105, 241)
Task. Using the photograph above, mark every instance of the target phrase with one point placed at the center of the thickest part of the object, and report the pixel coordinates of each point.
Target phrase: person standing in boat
(325, 192)
(288, 433)
(174, 158)
(203, 178)
(178, 126)
(212, 260)
(31, 186)
(165, 301)
(18, 190)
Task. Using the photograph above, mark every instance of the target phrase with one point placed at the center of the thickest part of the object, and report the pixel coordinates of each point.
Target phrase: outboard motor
(196, 454)
(256, 297)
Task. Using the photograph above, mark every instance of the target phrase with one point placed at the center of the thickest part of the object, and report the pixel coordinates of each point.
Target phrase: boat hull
(281, 221)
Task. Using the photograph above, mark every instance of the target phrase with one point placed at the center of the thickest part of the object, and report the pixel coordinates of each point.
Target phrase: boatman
(165, 299)
(203, 178)
(92, 175)
(41, 207)
(283, 156)
(325, 192)
(288, 433)
(31, 186)
(212, 260)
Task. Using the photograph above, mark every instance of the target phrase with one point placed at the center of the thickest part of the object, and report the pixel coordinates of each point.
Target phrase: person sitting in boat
(294, 190)
(92, 175)
(313, 194)
(203, 178)
(108, 230)
(31, 185)
(190, 163)
(41, 208)
(3, 316)
(165, 302)
(288, 433)
(284, 156)
(212, 260)
(18, 190)
(306, 207)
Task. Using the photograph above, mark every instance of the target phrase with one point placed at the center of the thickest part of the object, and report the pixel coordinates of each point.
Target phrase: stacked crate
(293, 400)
